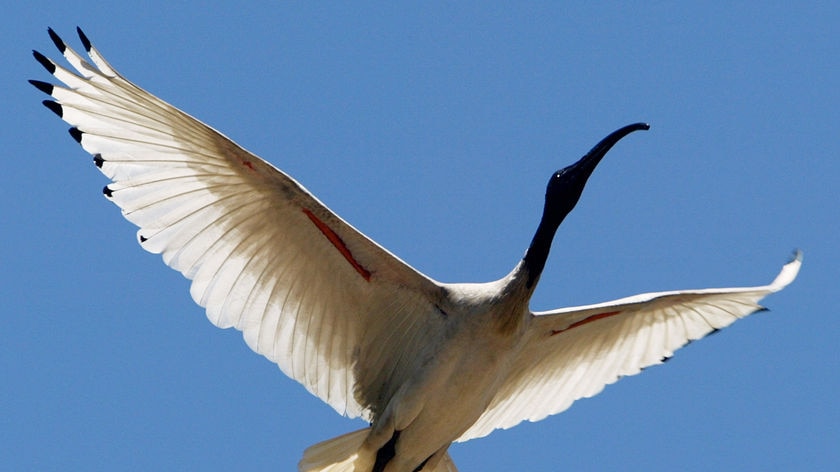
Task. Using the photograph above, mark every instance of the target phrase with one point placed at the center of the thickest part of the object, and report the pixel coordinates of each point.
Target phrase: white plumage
(426, 363)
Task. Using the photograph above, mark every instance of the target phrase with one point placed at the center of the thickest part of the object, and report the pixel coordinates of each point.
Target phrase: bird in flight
(426, 363)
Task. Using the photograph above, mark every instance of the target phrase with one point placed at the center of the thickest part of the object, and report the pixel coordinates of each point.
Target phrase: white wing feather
(306, 289)
(575, 352)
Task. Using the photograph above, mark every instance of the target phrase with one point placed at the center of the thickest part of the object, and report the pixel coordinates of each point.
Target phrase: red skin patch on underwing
(338, 243)
(584, 321)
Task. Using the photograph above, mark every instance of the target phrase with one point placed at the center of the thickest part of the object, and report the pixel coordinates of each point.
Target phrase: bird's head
(566, 185)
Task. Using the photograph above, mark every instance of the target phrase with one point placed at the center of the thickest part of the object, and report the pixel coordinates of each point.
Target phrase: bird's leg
(386, 453)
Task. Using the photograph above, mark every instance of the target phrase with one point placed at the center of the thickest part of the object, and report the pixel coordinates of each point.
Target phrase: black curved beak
(587, 163)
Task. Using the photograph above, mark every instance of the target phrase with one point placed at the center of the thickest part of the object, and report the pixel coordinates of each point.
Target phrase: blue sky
(433, 128)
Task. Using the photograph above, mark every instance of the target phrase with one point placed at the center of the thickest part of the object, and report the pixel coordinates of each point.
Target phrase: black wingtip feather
(84, 38)
(108, 192)
(44, 61)
(77, 135)
(54, 107)
(45, 87)
(56, 39)
(97, 159)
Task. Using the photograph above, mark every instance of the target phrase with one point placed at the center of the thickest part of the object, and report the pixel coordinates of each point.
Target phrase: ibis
(426, 363)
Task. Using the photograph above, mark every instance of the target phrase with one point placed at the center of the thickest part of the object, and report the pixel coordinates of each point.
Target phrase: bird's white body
(457, 378)
(426, 363)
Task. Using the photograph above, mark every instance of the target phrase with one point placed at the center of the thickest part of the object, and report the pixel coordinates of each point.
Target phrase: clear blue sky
(433, 128)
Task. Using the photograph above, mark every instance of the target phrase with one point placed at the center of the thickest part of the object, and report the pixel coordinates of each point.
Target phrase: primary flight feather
(426, 363)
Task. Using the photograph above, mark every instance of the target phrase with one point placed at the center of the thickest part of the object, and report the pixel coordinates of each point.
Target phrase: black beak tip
(594, 156)
(641, 126)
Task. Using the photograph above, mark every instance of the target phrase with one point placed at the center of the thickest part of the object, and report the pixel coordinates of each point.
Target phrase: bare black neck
(537, 253)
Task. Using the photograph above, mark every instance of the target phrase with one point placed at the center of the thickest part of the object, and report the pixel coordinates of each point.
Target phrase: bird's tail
(342, 454)
(334, 455)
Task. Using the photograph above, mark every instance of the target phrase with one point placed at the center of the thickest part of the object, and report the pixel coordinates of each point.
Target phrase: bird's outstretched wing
(575, 352)
(333, 309)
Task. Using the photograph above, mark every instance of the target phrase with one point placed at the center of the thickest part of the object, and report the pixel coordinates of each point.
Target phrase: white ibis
(426, 363)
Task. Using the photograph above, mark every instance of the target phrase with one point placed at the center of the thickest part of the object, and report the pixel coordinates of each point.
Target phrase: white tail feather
(334, 455)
